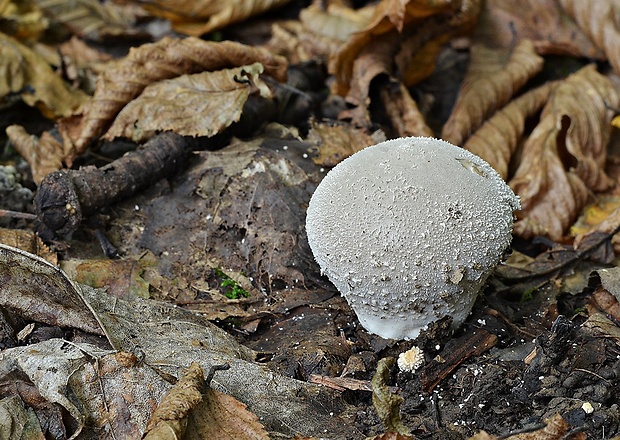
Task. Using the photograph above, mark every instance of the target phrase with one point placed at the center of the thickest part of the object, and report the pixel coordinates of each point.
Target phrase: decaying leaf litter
(257, 112)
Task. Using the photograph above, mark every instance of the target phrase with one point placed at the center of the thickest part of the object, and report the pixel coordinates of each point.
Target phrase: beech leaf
(492, 79)
(43, 154)
(497, 139)
(149, 63)
(26, 73)
(200, 17)
(565, 155)
(599, 21)
(202, 104)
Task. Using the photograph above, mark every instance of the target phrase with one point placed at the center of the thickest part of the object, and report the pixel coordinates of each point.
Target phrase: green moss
(230, 288)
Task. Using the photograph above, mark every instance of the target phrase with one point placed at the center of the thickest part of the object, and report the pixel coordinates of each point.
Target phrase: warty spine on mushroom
(408, 231)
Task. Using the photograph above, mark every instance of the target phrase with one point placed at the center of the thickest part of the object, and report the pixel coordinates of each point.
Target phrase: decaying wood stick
(65, 196)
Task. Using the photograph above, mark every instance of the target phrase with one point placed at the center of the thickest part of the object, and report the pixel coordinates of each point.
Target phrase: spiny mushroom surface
(408, 231)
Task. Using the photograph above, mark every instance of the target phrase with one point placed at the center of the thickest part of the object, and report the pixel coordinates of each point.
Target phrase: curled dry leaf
(416, 58)
(542, 21)
(497, 139)
(193, 410)
(22, 20)
(202, 104)
(565, 155)
(196, 18)
(319, 32)
(403, 111)
(601, 217)
(91, 19)
(27, 74)
(337, 142)
(492, 79)
(28, 241)
(43, 154)
(556, 428)
(599, 21)
(390, 17)
(166, 59)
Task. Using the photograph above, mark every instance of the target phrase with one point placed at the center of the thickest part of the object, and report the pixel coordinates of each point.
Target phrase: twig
(65, 196)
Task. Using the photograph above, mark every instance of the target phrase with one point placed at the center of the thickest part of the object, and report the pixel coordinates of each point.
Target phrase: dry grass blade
(599, 21)
(168, 58)
(497, 139)
(565, 155)
(492, 79)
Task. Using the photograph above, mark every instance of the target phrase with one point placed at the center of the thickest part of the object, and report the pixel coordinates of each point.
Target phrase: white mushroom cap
(408, 231)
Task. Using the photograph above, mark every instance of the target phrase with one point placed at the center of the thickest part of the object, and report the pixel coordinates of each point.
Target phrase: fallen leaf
(203, 16)
(28, 241)
(319, 31)
(149, 63)
(600, 217)
(492, 79)
(193, 410)
(22, 20)
(542, 21)
(497, 139)
(337, 142)
(386, 403)
(202, 104)
(39, 291)
(565, 155)
(30, 76)
(91, 19)
(403, 111)
(599, 21)
(43, 154)
(390, 18)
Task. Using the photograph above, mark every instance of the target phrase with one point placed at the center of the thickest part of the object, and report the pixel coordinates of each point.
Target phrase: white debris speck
(285, 147)
(137, 208)
(482, 322)
(411, 360)
(305, 156)
(209, 217)
(587, 408)
(437, 347)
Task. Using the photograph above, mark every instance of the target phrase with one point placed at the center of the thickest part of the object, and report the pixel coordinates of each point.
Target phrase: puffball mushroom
(408, 231)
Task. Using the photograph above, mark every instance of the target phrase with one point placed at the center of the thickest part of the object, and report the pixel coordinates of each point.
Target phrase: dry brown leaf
(497, 139)
(319, 32)
(191, 410)
(337, 142)
(21, 19)
(599, 21)
(600, 217)
(27, 241)
(27, 74)
(166, 59)
(43, 154)
(403, 111)
(542, 21)
(202, 104)
(416, 59)
(90, 19)
(197, 17)
(390, 17)
(492, 79)
(565, 155)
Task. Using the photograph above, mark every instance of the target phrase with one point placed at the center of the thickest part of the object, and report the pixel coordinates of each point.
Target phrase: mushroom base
(409, 326)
